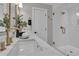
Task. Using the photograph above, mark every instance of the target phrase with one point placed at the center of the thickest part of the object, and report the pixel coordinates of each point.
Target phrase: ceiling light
(21, 49)
(77, 14)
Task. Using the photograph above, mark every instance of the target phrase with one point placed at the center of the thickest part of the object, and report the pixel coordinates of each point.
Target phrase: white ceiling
(53, 3)
(64, 5)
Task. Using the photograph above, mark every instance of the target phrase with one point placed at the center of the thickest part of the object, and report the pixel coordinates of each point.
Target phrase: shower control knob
(35, 32)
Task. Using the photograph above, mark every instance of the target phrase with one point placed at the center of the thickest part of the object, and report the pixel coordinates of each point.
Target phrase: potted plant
(2, 36)
(19, 24)
(23, 24)
(2, 23)
(6, 21)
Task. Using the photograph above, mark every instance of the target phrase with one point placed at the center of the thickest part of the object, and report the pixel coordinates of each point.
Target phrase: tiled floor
(70, 50)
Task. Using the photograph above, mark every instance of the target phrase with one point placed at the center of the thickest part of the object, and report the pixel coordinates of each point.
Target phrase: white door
(39, 22)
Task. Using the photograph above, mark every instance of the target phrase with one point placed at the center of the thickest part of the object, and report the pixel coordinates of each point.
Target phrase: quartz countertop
(47, 48)
(44, 44)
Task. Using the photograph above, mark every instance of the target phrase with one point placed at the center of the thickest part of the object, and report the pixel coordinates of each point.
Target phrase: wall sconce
(20, 5)
(62, 29)
(77, 14)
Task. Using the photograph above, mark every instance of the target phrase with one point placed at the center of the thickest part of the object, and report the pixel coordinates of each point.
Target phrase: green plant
(2, 23)
(18, 20)
(19, 24)
(23, 24)
(6, 20)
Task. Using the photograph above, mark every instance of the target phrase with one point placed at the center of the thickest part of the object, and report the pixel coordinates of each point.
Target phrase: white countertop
(44, 45)
(40, 42)
(8, 48)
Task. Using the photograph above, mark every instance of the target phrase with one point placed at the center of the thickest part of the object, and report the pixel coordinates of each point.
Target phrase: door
(39, 22)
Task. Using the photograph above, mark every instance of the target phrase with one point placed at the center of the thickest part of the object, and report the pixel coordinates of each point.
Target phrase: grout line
(59, 50)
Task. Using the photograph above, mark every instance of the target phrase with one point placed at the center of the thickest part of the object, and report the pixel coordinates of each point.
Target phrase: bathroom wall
(27, 12)
(59, 20)
(4, 9)
(1, 11)
(12, 14)
(74, 26)
(71, 37)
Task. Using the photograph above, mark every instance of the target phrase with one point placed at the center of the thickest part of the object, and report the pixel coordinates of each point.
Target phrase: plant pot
(8, 42)
(7, 38)
(2, 43)
(11, 41)
(10, 37)
(17, 33)
(2, 46)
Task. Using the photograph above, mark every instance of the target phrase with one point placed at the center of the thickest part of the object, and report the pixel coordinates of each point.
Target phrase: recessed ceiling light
(77, 14)
(21, 49)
